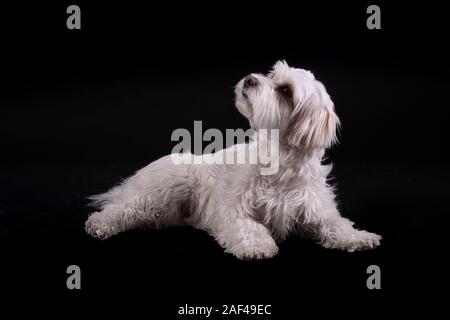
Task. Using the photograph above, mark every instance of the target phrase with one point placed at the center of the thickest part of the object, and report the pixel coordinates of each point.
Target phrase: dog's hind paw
(97, 227)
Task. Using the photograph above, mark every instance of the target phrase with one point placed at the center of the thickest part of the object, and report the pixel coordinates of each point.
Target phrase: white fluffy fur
(246, 212)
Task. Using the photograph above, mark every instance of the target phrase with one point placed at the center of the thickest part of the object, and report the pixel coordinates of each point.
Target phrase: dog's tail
(101, 200)
(98, 200)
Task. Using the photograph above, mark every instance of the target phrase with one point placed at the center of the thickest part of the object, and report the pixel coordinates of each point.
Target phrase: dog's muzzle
(249, 82)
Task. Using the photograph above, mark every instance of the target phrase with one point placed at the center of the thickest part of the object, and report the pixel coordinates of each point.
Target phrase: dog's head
(291, 100)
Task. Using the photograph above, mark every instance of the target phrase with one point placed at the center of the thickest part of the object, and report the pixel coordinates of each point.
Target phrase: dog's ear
(314, 123)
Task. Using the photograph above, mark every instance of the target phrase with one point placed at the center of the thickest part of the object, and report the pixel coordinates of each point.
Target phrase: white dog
(245, 211)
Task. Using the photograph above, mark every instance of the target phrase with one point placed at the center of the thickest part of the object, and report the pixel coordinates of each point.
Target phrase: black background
(81, 109)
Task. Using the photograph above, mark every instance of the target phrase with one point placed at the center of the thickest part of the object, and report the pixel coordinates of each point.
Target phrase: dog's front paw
(356, 240)
(97, 226)
(255, 249)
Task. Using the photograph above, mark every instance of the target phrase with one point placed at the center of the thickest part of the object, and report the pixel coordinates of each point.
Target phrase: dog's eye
(285, 91)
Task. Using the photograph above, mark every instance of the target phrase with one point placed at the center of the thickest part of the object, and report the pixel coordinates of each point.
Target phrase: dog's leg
(322, 221)
(113, 220)
(244, 238)
(338, 233)
(142, 214)
(153, 198)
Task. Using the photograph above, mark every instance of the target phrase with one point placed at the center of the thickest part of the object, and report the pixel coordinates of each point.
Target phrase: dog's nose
(250, 81)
